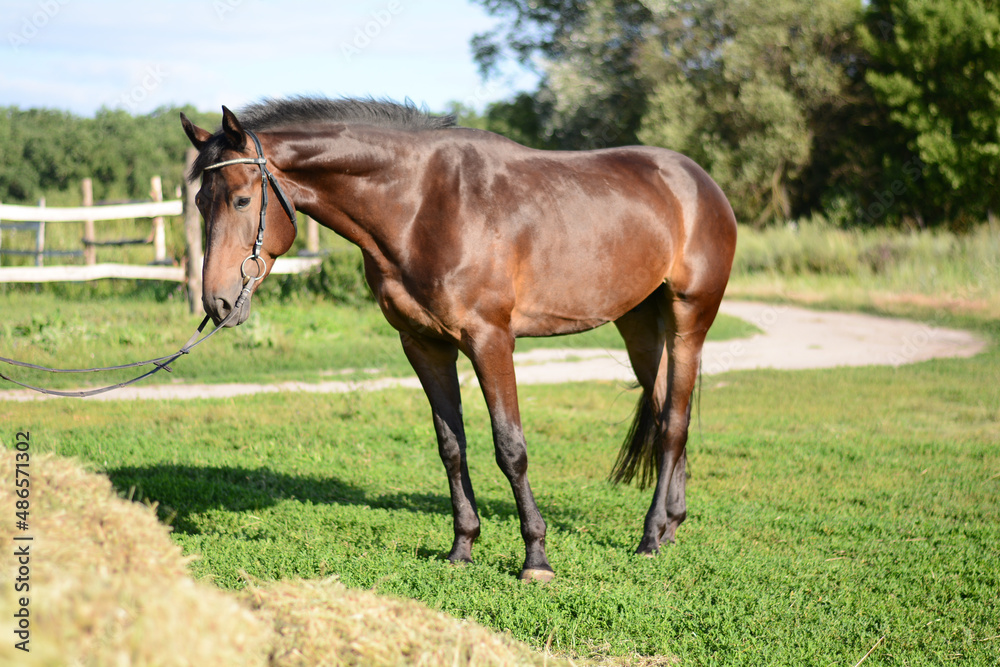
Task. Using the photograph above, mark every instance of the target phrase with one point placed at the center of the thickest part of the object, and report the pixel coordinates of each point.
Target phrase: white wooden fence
(190, 272)
(80, 213)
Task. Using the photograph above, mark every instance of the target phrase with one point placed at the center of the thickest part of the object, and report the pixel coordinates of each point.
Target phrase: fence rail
(35, 217)
(26, 217)
(54, 274)
(16, 213)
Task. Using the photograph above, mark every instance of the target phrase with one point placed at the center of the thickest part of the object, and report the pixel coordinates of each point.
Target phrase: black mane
(274, 114)
(295, 112)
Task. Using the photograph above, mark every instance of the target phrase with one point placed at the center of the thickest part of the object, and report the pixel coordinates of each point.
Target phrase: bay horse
(471, 241)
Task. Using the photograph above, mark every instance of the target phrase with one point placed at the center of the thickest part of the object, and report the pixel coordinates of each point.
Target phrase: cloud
(208, 52)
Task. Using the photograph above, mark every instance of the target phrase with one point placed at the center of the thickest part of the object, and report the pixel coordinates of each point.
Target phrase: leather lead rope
(160, 363)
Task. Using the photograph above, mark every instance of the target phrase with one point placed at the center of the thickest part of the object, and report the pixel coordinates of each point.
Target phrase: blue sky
(81, 55)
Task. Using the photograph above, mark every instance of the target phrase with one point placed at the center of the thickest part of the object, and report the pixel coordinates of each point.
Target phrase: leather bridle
(163, 363)
(266, 177)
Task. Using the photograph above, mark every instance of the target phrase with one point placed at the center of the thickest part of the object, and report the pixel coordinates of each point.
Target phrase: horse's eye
(241, 203)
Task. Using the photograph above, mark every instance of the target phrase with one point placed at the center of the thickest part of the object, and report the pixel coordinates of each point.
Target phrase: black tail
(640, 454)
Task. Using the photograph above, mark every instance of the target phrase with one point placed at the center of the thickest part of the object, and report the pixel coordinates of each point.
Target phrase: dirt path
(792, 339)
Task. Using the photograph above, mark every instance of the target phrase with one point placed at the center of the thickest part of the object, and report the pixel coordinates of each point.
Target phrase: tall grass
(929, 262)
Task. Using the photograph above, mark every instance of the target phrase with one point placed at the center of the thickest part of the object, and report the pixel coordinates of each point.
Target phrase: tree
(47, 153)
(935, 68)
(591, 95)
(740, 87)
(42, 149)
(533, 28)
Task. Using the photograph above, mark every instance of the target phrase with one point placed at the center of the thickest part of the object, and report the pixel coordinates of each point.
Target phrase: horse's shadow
(182, 492)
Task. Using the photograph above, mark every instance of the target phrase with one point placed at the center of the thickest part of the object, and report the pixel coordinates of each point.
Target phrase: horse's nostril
(217, 307)
(223, 307)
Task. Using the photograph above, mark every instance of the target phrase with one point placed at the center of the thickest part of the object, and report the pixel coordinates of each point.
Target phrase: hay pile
(326, 623)
(109, 587)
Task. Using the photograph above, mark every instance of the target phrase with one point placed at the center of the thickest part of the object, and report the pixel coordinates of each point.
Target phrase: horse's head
(232, 201)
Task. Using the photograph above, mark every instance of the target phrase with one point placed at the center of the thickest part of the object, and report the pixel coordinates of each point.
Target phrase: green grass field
(827, 509)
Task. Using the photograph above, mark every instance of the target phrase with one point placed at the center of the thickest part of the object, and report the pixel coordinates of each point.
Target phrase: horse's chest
(407, 311)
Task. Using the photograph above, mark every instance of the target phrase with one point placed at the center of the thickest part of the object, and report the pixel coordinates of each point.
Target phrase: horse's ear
(198, 136)
(234, 131)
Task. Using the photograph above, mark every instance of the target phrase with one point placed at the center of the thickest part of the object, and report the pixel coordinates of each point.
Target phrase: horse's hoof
(648, 548)
(544, 576)
(459, 561)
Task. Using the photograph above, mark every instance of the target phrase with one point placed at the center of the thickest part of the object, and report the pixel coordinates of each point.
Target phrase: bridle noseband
(265, 177)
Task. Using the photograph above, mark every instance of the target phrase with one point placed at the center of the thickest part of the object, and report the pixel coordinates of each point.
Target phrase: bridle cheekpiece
(266, 177)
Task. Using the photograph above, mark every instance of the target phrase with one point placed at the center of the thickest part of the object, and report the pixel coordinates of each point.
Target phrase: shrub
(340, 278)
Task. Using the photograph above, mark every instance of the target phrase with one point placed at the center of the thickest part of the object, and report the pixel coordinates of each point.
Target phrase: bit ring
(260, 265)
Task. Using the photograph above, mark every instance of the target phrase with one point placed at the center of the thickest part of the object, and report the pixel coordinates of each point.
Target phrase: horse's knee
(512, 458)
(533, 530)
(451, 457)
(510, 450)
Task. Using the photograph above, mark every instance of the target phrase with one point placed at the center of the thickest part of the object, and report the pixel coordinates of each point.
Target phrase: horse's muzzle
(219, 309)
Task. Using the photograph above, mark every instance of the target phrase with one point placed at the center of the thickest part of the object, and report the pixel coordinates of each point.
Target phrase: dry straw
(325, 623)
(109, 588)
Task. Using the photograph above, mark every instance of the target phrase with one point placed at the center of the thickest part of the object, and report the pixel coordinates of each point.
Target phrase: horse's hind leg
(664, 337)
(645, 330)
(434, 363)
(691, 321)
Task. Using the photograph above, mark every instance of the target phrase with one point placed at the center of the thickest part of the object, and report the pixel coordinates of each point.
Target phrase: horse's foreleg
(434, 363)
(491, 352)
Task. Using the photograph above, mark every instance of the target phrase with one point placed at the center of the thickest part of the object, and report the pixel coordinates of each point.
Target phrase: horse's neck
(351, 182)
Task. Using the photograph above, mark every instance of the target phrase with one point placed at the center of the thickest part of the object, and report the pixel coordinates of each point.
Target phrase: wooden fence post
(40, 238)
(159, 233)
(312, 236)
(89, 249)
(192, 237)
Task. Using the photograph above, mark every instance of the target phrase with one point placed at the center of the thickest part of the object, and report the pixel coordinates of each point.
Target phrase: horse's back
(593, 233)
(602, 191)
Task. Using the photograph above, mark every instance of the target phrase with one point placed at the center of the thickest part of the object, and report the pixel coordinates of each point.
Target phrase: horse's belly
(536, 325)
(554, 298)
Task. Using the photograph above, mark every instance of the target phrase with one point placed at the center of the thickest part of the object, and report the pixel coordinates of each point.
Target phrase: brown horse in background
(471, 241)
